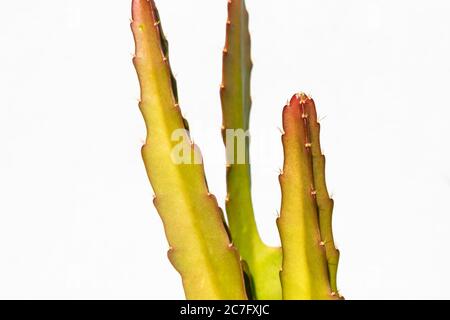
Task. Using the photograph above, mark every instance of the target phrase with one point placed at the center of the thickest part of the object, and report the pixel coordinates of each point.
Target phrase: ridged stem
(199, 246)
(263, 262)
(305, 273)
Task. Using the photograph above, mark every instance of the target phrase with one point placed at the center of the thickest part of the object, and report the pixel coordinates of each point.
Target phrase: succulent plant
(222, 258)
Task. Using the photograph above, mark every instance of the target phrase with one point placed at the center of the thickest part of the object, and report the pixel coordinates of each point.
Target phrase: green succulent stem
(199, 245)
(305, 219)
(263, 262)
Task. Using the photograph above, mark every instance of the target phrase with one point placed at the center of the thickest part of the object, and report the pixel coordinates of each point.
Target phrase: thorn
(225, 50)
(228, 165)
(333, 294)
(230, 245)
(222, 86)
(308, 145)
(157, 23)
(228, 21)
(313, 192)
(227, 198)
(280, 171)
(322, 243)
(165, 59)
(278, 214)
(322, 118)
(209, 194)
(303, 97)
(154, 196)
(304, 116)
(229, 1)
(176, 105)
(281, 130)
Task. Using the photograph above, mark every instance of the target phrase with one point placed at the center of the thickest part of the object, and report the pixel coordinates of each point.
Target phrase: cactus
(200, 247)
(220, 259)
(309, 255)
(263, 262)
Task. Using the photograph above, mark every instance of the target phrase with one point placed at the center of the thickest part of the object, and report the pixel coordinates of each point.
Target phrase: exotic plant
(228, 260)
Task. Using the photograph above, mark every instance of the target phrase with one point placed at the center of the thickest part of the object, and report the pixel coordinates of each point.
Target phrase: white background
(76, 218)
